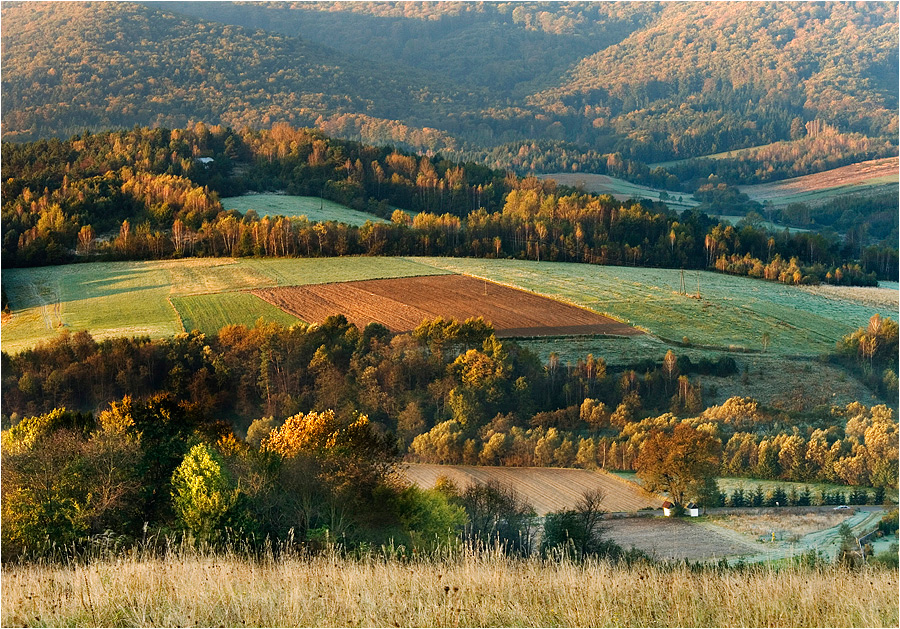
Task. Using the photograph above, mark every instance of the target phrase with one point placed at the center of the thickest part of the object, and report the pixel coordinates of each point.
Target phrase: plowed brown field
(546, 488)
(402, 304)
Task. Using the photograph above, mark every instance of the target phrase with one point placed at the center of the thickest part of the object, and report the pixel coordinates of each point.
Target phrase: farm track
(402, 304)
(545, 488)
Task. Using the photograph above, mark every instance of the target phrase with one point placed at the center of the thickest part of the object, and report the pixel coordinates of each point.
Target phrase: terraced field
(545, 488)
(313, 208)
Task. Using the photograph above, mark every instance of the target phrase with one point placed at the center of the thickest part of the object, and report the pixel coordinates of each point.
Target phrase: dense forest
(145, 193)
(648, 81)
(449, 392)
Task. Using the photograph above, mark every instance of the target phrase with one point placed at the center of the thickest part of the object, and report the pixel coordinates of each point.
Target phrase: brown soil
(545, 488)
(402, 304)
(676, 538)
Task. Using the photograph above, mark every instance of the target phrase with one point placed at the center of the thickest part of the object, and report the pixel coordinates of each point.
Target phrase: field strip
(546, 488)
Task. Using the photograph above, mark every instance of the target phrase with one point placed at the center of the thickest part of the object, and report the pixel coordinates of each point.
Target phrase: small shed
(668, 506)
(693, 510)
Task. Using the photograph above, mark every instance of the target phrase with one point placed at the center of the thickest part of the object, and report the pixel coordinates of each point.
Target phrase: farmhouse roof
(205, 160)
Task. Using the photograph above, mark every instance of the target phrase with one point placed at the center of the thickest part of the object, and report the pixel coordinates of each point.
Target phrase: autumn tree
(678, 463)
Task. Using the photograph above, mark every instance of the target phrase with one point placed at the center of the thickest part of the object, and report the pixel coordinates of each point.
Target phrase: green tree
(202, 492)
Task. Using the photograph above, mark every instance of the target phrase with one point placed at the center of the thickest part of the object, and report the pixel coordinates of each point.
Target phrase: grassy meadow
(150, 298)
(734, 312)
(193, 589)
(210, 312)
(162, 298)
(622, 190)
(316, 209)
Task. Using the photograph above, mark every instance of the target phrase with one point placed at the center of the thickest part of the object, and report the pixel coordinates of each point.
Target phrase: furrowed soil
(545, 488)
(678, 538)
(402, 304)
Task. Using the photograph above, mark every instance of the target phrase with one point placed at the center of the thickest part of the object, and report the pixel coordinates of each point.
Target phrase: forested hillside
(145, 193)
(649, 81)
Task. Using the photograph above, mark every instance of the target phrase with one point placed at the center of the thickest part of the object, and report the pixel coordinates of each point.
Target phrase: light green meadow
(111, 299)
(315, 209)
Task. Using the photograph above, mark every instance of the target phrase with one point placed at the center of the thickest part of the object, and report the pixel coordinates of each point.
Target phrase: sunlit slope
(733, 311)
(112, 299)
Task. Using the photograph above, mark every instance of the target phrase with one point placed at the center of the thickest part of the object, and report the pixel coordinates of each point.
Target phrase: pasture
(210, 312)
(316, 209)
(402, 304)
(545, 488)
(734, 312)
(621, 189)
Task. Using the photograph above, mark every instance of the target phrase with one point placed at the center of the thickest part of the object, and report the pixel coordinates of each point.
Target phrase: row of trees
(70, 478)
(148, 186)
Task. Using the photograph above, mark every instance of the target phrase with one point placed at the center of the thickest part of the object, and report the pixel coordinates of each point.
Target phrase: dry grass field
(197, 590)
(546, 488)
(782, 524)
(402, 304)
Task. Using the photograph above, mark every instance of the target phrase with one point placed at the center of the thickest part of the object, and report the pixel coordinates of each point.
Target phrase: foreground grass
(202, 590)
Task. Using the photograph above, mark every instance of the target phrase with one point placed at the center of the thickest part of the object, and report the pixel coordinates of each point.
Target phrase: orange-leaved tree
(678, 463)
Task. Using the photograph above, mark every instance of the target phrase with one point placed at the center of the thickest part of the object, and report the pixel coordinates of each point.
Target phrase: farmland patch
(111, 299)
(314, 208)
(864, 178)
(211, 312)
(545, 488)
(677, 538)
(402, 304)
(733, 313)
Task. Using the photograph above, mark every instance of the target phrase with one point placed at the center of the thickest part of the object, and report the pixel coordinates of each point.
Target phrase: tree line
(145, 194)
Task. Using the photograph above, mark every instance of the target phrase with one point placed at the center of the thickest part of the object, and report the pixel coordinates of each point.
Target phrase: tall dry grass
(197, 589)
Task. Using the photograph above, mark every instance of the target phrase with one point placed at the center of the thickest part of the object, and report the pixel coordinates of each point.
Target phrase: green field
(734, 312)
(213, 311)
(146, 298)
(138, 298)
(315, 209)
(622, 190)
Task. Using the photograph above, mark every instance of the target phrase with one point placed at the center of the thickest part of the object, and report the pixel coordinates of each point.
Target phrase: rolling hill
(652, 81)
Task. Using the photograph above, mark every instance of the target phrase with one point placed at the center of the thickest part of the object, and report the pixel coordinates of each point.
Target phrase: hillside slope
(651, 80)
(72, 66)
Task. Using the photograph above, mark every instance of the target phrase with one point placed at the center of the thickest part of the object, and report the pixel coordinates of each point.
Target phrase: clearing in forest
(545, 488)
(402, 304)
(316, 209)
(864, 178)
(621, 189)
